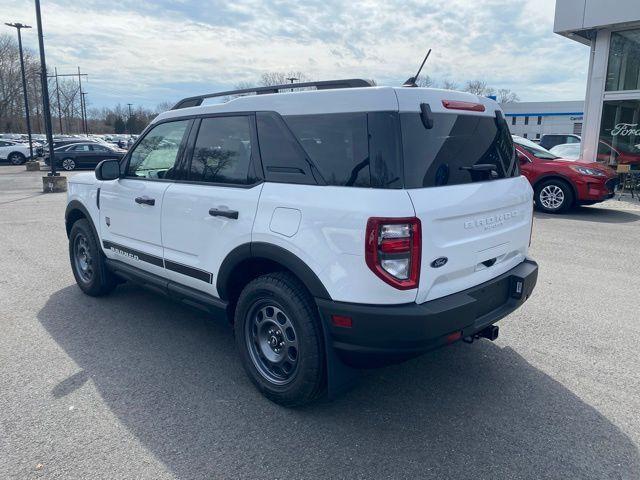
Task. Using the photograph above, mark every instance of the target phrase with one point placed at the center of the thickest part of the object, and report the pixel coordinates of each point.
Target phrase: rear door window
(222, 152)
(456, 150)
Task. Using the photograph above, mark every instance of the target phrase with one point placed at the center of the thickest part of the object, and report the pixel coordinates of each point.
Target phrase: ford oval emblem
(439, 262)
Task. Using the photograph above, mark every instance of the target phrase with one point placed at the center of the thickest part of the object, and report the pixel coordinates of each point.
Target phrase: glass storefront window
(624, 61)
(620, 132)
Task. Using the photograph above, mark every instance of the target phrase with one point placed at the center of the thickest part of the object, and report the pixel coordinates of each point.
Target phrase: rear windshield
(458, 149)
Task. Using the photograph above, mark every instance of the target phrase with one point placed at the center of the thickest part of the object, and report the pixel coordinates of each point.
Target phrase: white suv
(14, 152)
(346, 225)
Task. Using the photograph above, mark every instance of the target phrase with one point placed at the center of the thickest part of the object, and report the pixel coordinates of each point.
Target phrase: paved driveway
(135, 386)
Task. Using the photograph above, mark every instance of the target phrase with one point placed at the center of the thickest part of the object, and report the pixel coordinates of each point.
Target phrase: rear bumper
(410, 329)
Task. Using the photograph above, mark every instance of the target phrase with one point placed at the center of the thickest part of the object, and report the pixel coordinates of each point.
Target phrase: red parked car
(559, 183)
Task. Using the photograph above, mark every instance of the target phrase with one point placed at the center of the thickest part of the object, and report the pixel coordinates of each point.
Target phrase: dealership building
(533, 119)
(612, 105)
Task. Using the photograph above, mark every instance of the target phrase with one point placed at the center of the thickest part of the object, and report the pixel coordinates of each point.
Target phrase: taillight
(392, 250)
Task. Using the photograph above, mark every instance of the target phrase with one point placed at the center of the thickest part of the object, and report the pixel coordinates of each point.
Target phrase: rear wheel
(554, 196)
(279, 338)
(17, 158)
(88, 262)
(68, 164)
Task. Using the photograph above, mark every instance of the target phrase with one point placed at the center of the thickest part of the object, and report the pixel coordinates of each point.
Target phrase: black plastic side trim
(76, 205)
(190, 296)
(259, 250)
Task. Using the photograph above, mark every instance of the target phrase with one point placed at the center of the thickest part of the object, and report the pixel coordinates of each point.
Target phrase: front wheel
(16, 158)
(279, 337)
(553, 196)
(87, 261)
(68, 164)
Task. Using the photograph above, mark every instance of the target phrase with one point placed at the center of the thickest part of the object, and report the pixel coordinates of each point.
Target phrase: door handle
(146, 200)
(216, 212)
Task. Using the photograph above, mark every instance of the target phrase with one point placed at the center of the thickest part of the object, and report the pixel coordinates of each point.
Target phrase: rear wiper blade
(481, 167)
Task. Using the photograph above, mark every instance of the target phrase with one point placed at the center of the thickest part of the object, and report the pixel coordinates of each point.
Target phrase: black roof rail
(322, 85)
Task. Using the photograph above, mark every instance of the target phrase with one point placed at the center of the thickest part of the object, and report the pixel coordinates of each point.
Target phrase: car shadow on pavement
(595, 214)
(173, 379)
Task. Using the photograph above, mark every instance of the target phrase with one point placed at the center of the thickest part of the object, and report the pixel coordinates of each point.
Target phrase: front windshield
(533, 148)
(569, 151)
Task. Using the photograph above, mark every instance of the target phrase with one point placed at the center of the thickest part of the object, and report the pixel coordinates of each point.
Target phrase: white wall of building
(534, 119)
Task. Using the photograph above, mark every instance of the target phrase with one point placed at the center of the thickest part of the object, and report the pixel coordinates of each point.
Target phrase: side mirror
(108, 170)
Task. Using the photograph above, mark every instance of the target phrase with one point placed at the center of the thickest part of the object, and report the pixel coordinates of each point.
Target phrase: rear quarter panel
(330, 234)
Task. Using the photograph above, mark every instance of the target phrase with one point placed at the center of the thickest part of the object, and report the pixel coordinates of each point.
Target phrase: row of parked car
(71, 151)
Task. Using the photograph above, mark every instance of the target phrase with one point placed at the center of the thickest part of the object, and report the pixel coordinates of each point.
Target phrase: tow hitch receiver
(490, 333)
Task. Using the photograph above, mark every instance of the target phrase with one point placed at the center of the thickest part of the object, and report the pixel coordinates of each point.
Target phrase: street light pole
(46, 109)
(18, 27)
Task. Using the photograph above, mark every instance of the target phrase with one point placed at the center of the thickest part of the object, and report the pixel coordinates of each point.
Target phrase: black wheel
(68, 164)
(16, 158)
(87, 261)
(553, 196)
(280, 339)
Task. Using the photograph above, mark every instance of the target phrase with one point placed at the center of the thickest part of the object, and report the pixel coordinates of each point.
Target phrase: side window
(337, 144)
(603, 149)
(572, 140)
(99, 148)
(282, 158)
(513, 120)
(154, 157)
(81, 148)
(3, 144)
(385, 150)
(222, 151)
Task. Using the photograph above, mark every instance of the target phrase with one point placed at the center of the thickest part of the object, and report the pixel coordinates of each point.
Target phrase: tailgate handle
(489, 263)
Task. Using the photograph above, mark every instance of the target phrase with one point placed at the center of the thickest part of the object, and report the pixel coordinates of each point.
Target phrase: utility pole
(84, 120)
(18, 27)
(46, 109)
(58, 94)
(83, 104)
(129, 122)
(79, 75)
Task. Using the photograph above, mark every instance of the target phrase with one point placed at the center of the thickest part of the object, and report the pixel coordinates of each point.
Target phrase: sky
(146, 52)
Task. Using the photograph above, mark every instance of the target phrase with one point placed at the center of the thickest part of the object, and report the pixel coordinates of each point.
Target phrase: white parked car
(568, 151)
(342, 225)
(14, 152)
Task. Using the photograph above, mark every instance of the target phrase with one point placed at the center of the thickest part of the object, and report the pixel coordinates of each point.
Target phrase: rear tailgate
(464, 181)
(482, 229)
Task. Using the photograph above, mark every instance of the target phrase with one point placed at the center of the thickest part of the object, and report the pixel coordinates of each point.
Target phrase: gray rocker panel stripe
(192, 272)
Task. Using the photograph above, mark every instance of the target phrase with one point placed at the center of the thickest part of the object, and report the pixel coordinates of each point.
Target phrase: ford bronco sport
(346, 225)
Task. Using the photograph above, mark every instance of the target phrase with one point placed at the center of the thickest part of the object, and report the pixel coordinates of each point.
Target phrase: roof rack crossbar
(322, 85)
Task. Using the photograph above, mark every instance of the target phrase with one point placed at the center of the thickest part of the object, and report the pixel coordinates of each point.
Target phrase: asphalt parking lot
(135, 386)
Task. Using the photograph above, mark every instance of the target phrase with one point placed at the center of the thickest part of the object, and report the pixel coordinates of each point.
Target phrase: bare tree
(479, 87)
(505, 95)
(449, 85)
(280, 78)
(425, 81)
